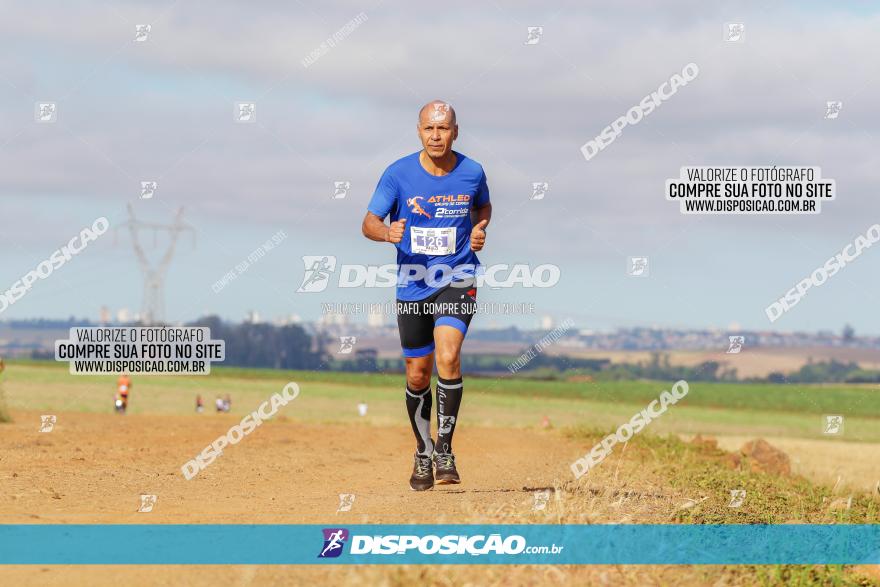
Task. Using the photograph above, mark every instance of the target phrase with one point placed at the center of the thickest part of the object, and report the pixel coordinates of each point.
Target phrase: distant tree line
(258, 345)
(366, 360)
(291, 347)
(247, 344)
(266, 345)
(832, 371)
(660, 367)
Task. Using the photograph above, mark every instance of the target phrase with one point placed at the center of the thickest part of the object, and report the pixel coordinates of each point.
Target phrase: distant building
(376, 320)
(334, 320)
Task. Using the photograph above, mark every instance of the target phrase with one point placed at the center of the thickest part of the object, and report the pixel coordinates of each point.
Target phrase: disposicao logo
(334, 541)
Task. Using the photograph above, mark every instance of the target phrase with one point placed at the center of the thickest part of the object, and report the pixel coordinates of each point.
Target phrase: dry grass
(4, 410)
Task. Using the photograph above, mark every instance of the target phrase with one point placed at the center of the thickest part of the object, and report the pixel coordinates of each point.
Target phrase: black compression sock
(418, 405)
(449, 392)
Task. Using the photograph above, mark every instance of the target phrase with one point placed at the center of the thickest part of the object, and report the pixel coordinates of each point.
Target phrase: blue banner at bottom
(439, 544)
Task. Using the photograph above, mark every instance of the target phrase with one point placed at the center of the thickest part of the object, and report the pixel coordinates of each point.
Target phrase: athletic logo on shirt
(416, 207)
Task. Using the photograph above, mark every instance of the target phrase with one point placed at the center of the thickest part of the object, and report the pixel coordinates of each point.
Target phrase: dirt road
(93, 468)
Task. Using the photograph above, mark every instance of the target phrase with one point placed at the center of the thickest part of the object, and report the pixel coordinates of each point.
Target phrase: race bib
(432, 241)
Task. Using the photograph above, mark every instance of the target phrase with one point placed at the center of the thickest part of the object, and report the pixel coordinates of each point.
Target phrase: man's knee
(418, 381)
(418, 376)
(448, 359)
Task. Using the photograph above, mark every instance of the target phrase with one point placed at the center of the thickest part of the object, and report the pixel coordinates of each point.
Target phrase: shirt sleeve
(481, 198)
(385, 197)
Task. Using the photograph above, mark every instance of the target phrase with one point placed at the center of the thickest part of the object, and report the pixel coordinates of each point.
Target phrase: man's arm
(376, 230)
(480, 214)
(480, 218)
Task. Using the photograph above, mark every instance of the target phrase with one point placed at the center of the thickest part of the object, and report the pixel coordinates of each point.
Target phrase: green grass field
(710, 408)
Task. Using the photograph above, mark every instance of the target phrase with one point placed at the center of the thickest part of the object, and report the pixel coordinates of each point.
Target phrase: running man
(438, 200)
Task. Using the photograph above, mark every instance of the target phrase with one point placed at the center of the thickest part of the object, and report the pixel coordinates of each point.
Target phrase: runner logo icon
(416, 207)
(334, 541)
(318, 270)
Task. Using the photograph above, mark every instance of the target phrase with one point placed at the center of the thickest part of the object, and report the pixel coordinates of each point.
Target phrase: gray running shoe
(422, 477)
(446, 471)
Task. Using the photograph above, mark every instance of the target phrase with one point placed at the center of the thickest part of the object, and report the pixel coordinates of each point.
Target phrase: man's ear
(455, 133)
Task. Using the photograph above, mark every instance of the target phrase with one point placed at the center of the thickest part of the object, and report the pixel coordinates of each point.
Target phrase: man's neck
(440, 166)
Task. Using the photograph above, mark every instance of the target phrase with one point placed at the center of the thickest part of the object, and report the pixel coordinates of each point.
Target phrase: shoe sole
(447, 481)
(420, 488)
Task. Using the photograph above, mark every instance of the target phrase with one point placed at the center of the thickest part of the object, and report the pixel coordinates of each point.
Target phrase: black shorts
(454, 305)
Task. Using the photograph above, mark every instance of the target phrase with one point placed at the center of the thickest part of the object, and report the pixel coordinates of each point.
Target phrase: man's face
(436, 130)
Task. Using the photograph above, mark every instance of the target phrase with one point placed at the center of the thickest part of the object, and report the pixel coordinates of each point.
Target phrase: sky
(164, 110)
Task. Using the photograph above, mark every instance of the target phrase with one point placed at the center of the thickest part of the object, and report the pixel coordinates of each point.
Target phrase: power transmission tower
(153, 309)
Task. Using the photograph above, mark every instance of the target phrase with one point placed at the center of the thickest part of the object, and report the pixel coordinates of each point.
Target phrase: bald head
(437, 130)
(437, 111)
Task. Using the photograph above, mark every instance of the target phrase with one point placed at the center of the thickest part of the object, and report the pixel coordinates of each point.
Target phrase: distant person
(219, 404)
(227, 403)
(200, 404)
(123, 388)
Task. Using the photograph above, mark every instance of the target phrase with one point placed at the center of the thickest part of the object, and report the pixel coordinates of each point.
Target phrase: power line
(153, 308)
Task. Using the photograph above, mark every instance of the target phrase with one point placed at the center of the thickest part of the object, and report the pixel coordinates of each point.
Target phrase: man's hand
(395, 231)
(478, 236)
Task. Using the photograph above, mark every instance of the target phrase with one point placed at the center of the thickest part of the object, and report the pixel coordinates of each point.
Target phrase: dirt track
(92, 469)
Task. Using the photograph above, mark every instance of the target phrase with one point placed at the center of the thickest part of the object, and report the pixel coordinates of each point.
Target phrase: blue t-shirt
(437, 209)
